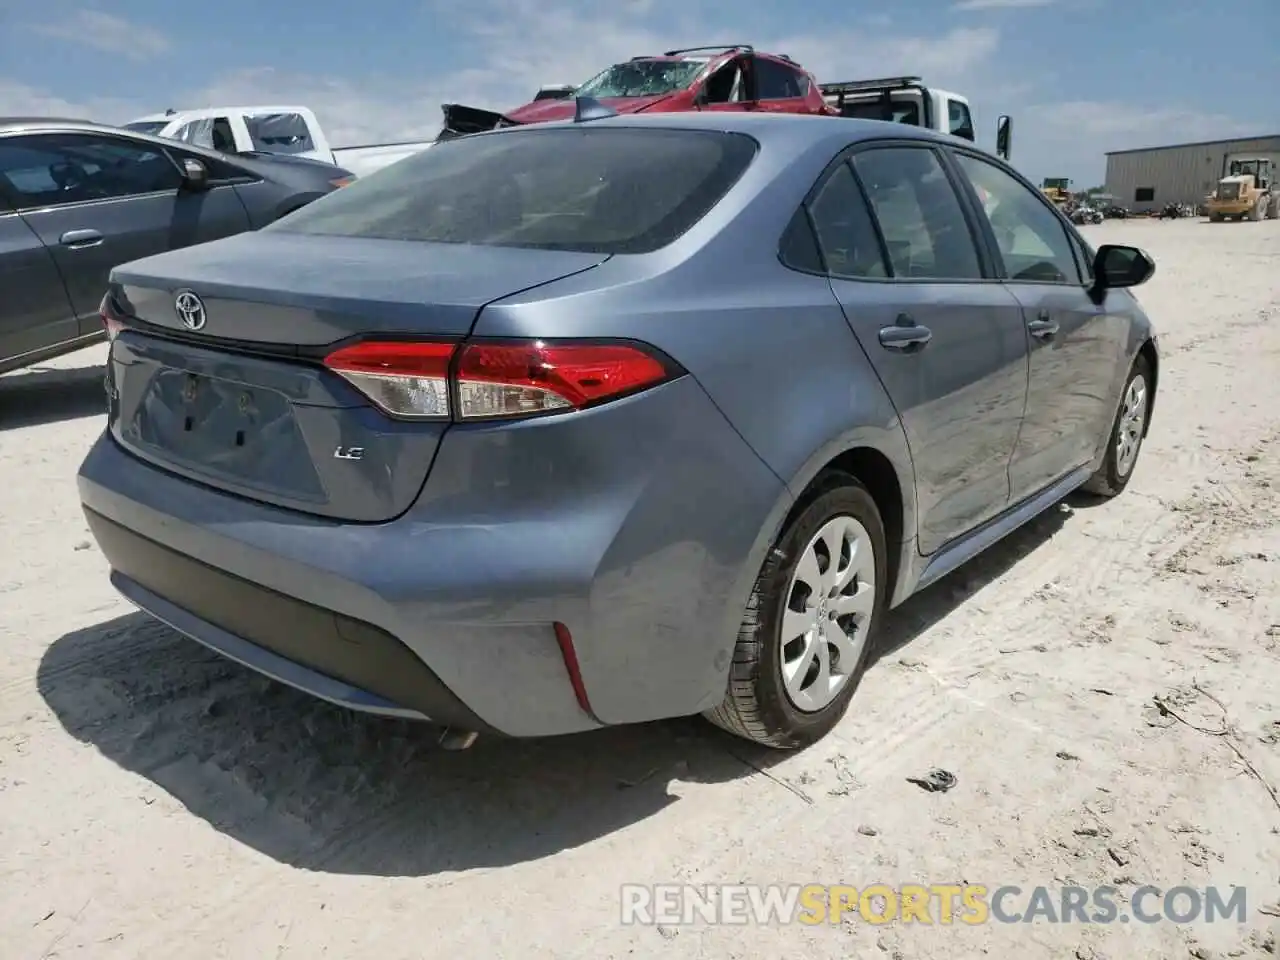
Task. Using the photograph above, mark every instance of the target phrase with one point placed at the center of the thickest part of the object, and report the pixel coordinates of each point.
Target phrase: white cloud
(109, 33)
(1001, 4)
(1124, 125)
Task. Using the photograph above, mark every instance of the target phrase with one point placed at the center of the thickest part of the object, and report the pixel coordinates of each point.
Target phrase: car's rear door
(34, 310)
(1076, 345)
(945, 339)
(101, 199)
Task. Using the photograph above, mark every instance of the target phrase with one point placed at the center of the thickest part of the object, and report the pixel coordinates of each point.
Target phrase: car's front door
(97, 200)
(726, 88)
(946, 341)
(1074, 342)
(34, 310)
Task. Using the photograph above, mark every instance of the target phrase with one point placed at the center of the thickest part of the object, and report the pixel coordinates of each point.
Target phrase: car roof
(55, 125)
(8, 122)
(216, 111)
(800, 130)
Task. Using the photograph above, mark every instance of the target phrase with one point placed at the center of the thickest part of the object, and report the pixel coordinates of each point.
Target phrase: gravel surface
(154, 797)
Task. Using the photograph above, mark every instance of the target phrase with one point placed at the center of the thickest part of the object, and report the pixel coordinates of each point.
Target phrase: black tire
(1108, 481)
(756, 705)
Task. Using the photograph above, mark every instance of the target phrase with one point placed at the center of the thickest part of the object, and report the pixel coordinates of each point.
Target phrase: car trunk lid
(243, 403)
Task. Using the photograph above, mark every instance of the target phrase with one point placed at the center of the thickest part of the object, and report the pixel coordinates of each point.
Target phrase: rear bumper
(639, 526)
(340, 659)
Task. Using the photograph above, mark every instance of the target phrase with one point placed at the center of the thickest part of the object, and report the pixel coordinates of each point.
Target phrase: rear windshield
(619, 190)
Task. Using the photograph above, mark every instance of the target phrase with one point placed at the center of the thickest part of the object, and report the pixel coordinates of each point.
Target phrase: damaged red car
(733, 77)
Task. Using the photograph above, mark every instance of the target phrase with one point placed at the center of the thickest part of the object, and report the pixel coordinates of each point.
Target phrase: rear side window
(279, 133)
(846, 233)
(920, 216)
(597, 190)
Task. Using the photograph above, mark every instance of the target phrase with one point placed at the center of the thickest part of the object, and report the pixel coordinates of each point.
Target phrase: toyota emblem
(190, 309)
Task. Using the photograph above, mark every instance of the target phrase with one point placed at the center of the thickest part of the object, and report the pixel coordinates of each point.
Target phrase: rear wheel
(1127, 433)
(805, 636)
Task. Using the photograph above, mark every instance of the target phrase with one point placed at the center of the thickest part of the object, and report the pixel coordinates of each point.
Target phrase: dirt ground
(154, 797)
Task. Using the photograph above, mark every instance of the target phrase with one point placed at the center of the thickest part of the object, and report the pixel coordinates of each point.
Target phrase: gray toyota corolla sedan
(598, 422)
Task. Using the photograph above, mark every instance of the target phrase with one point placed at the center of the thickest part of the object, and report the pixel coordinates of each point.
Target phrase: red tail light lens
(495, 380)
(408, 380)
(505, 380)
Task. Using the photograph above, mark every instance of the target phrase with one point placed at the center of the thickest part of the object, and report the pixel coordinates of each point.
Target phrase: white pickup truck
(270, 129)
(908, 100)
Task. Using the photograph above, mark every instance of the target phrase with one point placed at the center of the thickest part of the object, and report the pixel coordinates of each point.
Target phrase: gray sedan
(78, 198)
(572, 425)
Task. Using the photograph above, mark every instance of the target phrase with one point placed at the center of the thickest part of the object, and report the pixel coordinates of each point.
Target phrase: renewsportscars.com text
(971, 904)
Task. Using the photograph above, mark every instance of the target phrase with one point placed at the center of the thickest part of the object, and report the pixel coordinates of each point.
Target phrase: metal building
(1148, 178)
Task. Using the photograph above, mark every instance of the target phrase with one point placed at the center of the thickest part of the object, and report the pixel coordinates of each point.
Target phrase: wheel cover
(829, 604)
(1133, 418)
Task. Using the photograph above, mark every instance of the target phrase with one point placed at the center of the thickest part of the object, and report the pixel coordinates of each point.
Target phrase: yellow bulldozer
(1057, 189)
(1247, 192)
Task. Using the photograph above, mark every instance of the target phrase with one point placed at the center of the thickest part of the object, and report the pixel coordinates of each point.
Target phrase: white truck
(270, 128)
(908, 100)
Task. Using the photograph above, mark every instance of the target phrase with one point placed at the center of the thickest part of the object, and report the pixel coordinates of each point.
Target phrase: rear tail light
(404, 379)
(484, 381)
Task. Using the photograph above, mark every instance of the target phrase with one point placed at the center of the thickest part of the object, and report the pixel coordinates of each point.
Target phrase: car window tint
(53, 169)
(777, 81)
(846, 233)
(278, 132)
(799, 248)
(1032, 241)
(591, 189)
(959, 120)
(919, 214)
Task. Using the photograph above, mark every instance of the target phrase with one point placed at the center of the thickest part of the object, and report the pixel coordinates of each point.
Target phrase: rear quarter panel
(771, 349)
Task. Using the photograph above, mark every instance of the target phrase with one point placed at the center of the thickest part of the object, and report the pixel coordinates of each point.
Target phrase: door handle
(77, 239)
(905, 336)
(1044, 326)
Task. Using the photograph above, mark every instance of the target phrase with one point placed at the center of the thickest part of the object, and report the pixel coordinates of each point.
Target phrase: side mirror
(1004, 137)
(1116, 266)
(195, 175)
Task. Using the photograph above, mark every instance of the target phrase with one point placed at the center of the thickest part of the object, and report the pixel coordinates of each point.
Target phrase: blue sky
(1079, 76)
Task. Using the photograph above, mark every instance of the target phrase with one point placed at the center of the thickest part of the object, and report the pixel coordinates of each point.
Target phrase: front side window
(919, 214)
(62, 168)
(601, 190)
(278, 133)
(642, 78)
(845, 230)
(777, 81)
(1032, 241)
